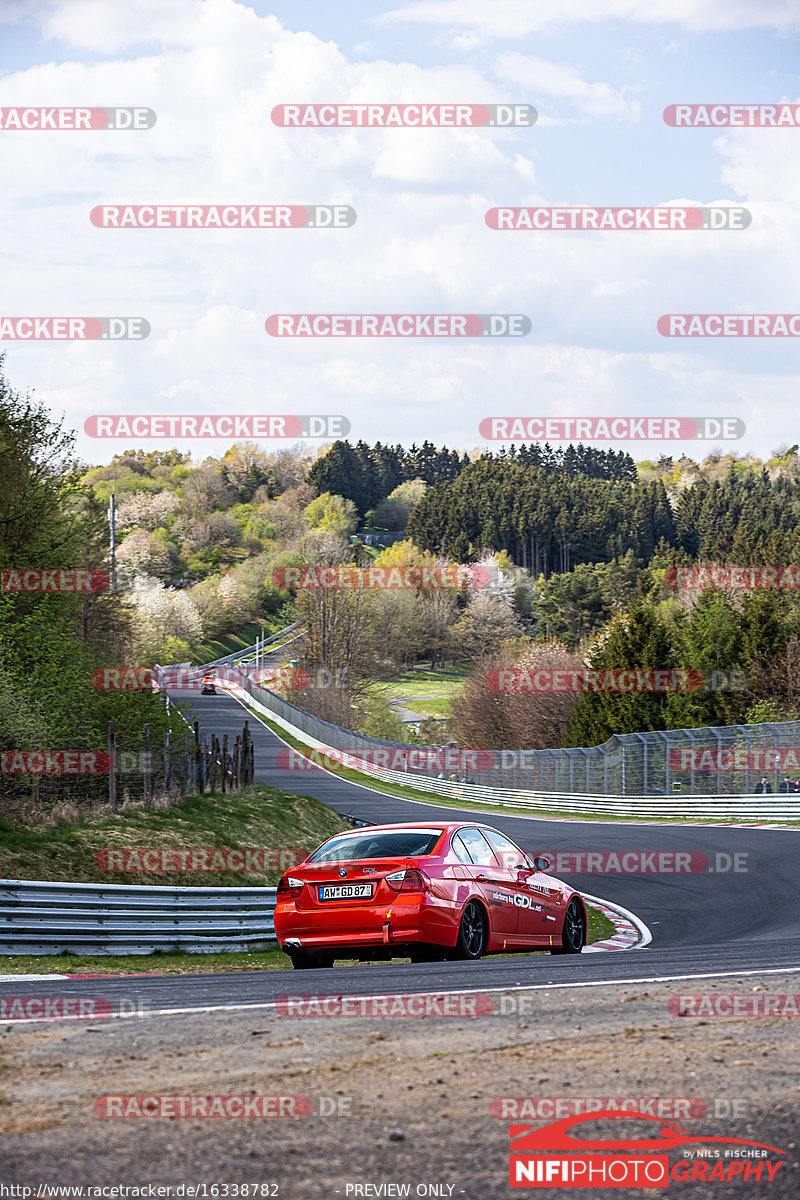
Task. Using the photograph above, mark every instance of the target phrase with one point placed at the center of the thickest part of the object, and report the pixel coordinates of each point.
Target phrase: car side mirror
(541, 863)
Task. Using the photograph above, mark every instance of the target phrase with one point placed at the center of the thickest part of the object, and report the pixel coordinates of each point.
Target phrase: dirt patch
(406, 1101)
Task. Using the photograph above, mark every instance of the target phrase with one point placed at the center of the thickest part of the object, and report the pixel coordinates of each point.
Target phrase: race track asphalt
(704, 924)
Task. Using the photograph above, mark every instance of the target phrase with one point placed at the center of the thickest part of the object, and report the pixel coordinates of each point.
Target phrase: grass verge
(424, 689)
(257, 817)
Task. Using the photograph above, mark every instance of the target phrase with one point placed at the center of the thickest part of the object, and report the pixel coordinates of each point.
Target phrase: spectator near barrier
(764, 787)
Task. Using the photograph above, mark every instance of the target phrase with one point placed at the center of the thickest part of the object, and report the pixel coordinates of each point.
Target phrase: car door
(529, 890)
(550, 894)
(496, 884)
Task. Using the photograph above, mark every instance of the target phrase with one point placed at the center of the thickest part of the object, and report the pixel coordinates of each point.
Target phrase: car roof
(441, 826)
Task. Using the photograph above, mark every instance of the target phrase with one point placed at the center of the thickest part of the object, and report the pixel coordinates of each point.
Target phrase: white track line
(438, 992)
(18, 978)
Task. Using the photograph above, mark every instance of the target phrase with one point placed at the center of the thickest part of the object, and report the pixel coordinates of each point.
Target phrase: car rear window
(365, 843)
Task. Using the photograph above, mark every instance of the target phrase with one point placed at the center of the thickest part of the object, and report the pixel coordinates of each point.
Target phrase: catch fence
(707, 761)
(139, 770)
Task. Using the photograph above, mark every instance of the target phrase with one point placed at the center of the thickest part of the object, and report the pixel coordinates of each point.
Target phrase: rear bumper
(366, 928)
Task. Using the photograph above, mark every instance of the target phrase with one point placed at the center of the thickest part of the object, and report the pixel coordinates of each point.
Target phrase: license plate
(345, 891)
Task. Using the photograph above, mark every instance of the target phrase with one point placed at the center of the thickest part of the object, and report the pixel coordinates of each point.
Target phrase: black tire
(573, 934)
(472, 933)
(303, 961)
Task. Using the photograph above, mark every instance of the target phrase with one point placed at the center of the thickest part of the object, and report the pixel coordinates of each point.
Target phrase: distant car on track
(427, 890)
(207, 687)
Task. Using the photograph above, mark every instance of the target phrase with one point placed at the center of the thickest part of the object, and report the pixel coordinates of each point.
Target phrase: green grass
(169, 962)
(598, 926)
(240, 640)
(255, 817)
(433, 707)
(227, 644)
(437, 687)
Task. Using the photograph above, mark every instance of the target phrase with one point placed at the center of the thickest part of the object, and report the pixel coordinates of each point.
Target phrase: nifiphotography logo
(558, 1155)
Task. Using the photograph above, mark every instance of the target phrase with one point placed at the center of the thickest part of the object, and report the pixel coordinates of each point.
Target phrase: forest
(578, 548)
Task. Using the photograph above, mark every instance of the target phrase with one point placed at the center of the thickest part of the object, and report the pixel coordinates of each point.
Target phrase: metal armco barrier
(722, 807)
(257, 648)
(665, 768)
(113, 918)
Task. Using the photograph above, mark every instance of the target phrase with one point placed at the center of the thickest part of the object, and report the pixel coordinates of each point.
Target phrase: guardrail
(117, 918)
(257, 647)
(706, 763)
(719, 807)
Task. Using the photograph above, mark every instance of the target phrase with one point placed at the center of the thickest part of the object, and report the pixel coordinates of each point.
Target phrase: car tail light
(410, 879)
(287, 886)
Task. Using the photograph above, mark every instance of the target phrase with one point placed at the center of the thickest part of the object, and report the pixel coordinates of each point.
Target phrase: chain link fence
(140, 773)
(711, 760)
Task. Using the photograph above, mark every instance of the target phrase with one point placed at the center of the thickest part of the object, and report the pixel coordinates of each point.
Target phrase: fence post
(167, 762)
(112, 764)
(147, 779)
(224, 762)
(198, 760)
(184, 773)
(213, 766)
(237, 748)
(252, 769)
(246, 754)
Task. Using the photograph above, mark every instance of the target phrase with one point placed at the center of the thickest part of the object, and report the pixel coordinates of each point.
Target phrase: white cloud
(420, 245)
(515, 18)
(563, 82)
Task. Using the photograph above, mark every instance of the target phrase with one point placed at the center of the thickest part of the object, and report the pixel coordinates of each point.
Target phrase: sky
(599, 74)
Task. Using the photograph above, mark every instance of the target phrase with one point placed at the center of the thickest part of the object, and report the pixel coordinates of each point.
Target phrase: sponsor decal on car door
(496, 884)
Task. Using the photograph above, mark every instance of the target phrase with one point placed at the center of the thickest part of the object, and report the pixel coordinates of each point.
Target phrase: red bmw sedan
(427, 890)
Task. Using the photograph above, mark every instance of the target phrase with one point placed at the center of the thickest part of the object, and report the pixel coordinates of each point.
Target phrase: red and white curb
(630, 932)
